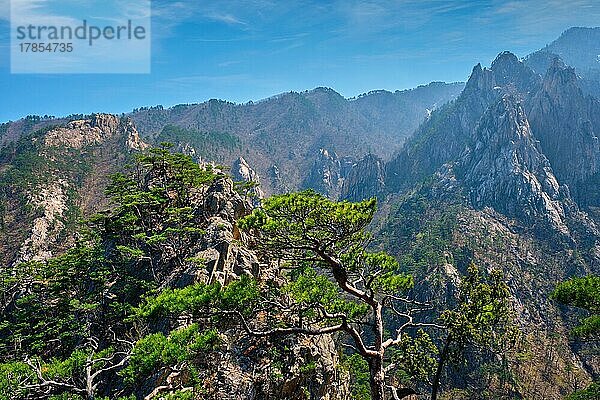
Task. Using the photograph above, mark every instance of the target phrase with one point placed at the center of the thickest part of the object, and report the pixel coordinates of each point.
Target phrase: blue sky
(247, 50)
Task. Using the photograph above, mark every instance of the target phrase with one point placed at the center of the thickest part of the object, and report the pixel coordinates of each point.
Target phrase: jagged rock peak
(507, 74)
(513, 75)
(566, 122)
(559, 74)
(505, 169)
(505, 58)
(561, 88)
(242, 172)
(480, 79)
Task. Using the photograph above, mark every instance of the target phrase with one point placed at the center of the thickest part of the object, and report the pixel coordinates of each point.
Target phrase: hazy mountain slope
(289, 130)
(52, 170)
(578, 47)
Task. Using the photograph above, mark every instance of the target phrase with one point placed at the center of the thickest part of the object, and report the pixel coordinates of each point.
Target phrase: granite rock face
(99, 128)
(567, 124)
(242, 172)
(445, 134)
(328, 173)
(504, 168)
(505, 176)
(46, 228)
(510, 122)
(366, 179)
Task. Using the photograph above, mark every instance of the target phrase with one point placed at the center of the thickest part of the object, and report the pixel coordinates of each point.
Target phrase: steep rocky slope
(366, 178)
(567, 124)
(245, 367)
(445, 134)
(505, 169)
(506, 174)
(328, 173)
(54, 176)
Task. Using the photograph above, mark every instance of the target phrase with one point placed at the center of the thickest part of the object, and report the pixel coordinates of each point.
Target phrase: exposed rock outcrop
(567, 123)
(446, 133)
(52, 202)
(241, 172)
(81, 133)
(70, 166)
(277, 183)
(245, 367)
(328, 173)
(504, 168)
(225, 258)
(366, 179)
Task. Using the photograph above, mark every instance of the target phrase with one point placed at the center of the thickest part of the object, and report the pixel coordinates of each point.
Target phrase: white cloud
(228, 19)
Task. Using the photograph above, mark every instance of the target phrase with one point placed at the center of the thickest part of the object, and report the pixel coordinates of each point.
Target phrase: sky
(240, 50)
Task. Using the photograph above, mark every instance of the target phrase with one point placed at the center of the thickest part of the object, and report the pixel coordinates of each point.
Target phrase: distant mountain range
(286, 133)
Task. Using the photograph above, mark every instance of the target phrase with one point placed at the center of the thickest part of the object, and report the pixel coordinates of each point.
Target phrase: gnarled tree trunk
(440, 368)
(376, 378)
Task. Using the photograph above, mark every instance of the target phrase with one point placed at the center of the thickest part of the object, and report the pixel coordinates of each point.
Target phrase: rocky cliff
(52, 177)
(446, 132)
(328, 173)
(504, 168)
(566, 122)
(366, 178)
(243, 173)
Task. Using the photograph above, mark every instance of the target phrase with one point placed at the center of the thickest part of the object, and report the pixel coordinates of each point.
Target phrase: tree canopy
(583, 293)
(335, 283)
